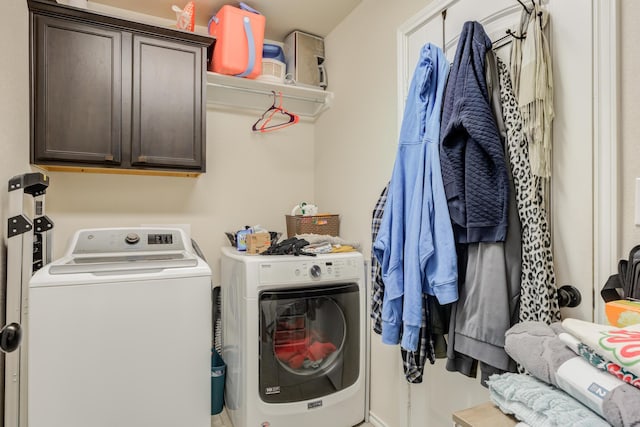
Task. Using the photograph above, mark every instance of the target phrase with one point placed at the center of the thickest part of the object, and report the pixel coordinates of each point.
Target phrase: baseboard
(375, 421)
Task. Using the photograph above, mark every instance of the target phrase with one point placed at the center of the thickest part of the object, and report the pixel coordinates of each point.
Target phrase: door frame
(605, 146)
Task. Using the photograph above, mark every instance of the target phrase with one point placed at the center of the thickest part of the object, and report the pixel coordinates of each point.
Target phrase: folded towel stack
(538, 403)
(553, 356)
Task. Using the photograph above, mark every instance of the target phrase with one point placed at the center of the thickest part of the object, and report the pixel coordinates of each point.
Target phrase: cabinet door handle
(142, 159)
(108, 157)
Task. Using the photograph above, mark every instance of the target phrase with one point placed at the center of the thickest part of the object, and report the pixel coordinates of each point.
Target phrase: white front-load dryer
(294, 339)
(119, 333)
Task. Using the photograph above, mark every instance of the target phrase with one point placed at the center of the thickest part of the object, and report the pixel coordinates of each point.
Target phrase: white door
(572, 200)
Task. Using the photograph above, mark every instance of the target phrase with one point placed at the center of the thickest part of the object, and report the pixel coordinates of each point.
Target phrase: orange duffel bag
(239, 33)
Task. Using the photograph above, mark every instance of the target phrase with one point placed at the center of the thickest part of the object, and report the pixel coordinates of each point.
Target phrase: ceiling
(282, 16)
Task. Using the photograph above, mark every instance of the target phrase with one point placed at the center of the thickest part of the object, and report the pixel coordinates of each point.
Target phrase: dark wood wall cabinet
(114, 95)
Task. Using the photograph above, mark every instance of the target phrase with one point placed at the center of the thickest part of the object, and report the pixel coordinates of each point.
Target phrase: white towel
(618, 345)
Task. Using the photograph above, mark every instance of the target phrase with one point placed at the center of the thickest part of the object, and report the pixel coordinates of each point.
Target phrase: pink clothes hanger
(262, 124)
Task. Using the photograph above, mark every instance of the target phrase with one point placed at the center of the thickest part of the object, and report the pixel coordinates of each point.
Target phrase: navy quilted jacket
(471, 151)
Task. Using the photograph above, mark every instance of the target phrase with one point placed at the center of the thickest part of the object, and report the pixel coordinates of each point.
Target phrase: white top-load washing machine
(294, 339)
(120, 333)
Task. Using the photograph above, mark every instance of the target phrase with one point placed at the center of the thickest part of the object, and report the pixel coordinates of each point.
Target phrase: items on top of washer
(335, 241)
(304, 209)
(313, 223)
(239, 238)
(258, 242)
(328, 248)
(342, 248)
(292, 246)
(319, 248)
(305, 218)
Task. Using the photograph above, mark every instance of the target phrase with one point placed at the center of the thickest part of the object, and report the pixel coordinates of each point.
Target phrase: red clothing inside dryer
(295, 352)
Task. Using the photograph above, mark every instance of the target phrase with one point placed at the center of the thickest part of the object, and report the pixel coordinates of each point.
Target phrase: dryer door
(309, 342)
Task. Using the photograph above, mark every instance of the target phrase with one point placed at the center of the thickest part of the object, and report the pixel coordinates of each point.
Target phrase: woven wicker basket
(317, 224)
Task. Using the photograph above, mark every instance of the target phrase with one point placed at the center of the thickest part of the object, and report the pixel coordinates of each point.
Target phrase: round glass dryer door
(309, 342)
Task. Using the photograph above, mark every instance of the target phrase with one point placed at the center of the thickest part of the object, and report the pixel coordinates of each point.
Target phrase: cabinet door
(76, 92)
(167, 104)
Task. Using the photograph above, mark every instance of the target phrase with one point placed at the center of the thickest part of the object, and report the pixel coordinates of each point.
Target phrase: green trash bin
(218, 370)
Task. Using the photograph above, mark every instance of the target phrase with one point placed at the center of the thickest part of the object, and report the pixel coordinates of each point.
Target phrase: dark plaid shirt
(413, 361)
(377, 292)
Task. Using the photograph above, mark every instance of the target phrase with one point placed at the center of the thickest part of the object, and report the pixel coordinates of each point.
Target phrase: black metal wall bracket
(42, 224)
(17, 225)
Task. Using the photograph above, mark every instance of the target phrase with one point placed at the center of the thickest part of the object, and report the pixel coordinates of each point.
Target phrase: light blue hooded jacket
(415, 245)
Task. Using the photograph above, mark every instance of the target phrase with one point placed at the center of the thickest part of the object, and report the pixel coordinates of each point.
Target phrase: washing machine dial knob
(315, 271)
(132, 238)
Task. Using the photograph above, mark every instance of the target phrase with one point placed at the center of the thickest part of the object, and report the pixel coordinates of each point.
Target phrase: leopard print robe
(538, 298)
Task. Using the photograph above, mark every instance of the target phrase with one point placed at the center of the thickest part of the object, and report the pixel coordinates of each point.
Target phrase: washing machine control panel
(112, 240)
(313, 270)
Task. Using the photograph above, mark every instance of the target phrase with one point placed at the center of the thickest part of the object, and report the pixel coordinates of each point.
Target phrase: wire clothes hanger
(263, 123)
(525, 7)
(539, 14)
(515, 36)
(510, 33)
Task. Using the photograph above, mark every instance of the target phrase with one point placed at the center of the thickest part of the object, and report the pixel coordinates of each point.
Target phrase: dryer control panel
(312, 270)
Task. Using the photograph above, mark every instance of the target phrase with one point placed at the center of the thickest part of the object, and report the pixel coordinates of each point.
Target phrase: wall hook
(525, 7)
(515, 36)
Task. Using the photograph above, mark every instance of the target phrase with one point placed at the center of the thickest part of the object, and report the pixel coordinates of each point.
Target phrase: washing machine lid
(111, 250)
(124, 262)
